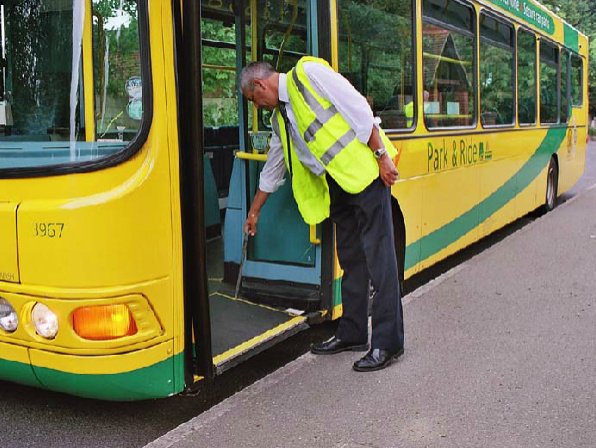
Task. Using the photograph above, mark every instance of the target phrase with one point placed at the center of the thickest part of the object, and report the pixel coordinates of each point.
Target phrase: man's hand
(250, 225)
(387, 170)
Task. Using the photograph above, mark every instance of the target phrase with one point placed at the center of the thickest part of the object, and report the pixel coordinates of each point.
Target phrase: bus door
(260, 289)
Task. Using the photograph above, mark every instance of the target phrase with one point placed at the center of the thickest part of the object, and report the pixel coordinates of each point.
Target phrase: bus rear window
(71, 82)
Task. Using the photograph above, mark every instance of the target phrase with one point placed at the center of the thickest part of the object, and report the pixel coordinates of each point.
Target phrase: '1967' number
(49, 229)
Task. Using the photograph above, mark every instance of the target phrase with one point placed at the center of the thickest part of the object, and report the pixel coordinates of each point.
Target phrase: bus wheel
(552, 181)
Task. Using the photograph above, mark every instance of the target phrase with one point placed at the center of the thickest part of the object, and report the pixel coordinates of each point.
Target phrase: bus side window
(576, 80)
(448, 36)
(376, 56)
(497, 66)
(564, 86)
(526, 77)
(549, 92)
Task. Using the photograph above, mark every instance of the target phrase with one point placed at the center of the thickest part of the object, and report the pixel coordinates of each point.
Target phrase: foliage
(375, 51)
(496, 83)
(368, 38)
(219, 85)
(220, 107)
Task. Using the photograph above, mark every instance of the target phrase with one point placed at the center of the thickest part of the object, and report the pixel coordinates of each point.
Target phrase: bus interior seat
(393, 119)
(220, 145)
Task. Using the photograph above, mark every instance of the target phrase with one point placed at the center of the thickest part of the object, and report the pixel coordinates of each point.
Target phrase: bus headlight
(9, 321)
(45, 321)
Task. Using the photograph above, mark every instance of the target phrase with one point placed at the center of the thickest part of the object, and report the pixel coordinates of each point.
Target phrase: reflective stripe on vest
(340, 144)
(322, 117)
(310, 191)
(304, 155)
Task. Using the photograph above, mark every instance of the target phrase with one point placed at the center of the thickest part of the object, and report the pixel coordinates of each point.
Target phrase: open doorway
(261, 289)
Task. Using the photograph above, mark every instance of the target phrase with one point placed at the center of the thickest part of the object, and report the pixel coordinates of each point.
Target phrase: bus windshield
(70, 81)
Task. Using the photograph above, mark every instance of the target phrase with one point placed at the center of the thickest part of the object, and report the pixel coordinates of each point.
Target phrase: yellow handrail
(447, 115)
(445, 59)
(251, 156)
(313, 236)
(220, 67)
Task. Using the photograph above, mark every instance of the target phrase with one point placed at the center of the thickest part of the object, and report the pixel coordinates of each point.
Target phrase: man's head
(260, 84)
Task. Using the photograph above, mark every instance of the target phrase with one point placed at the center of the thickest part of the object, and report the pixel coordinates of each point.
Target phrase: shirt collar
(283, 88)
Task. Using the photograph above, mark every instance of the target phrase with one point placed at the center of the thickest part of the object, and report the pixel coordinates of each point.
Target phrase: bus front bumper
(142, 374)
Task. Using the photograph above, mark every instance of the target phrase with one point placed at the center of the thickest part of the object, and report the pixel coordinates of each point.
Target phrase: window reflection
(576, 80)
(71, 89)
(375, 54)
(549, 92)
(448, 63)
(526, 77)
(496, 72)
(117, 70)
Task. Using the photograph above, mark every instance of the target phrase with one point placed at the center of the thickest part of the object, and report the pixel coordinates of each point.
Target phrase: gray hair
(255, 70)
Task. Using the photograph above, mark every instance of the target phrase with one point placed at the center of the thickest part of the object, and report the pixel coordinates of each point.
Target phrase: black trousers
(366, 250)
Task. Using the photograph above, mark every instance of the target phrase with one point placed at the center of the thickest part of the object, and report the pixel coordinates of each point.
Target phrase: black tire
(552, 185)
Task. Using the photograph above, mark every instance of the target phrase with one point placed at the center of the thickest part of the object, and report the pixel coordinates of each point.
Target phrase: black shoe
(335, 345)
(376, 359)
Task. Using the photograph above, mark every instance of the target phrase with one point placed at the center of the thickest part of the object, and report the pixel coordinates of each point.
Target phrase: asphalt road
(499, 353)
(36, 418)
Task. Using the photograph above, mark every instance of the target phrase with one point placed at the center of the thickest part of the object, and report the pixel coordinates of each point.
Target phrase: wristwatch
(379, 152)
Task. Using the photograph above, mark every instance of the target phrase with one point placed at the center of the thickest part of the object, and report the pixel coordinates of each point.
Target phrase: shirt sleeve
(272, 175)
(348, 101)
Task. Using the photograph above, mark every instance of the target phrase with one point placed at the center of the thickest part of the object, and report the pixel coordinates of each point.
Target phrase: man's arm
(250, 225)
(270, 179)
(387, 170)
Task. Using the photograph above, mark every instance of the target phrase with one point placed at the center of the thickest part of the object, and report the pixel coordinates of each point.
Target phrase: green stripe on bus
(460, 226)
(155, 381)
(17, 372)
(337, 291)
(571, 37)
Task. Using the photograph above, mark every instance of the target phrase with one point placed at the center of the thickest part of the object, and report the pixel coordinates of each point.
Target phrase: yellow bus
(128, 161)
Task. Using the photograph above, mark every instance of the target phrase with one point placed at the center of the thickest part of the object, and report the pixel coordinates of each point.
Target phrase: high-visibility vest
(331, 141)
